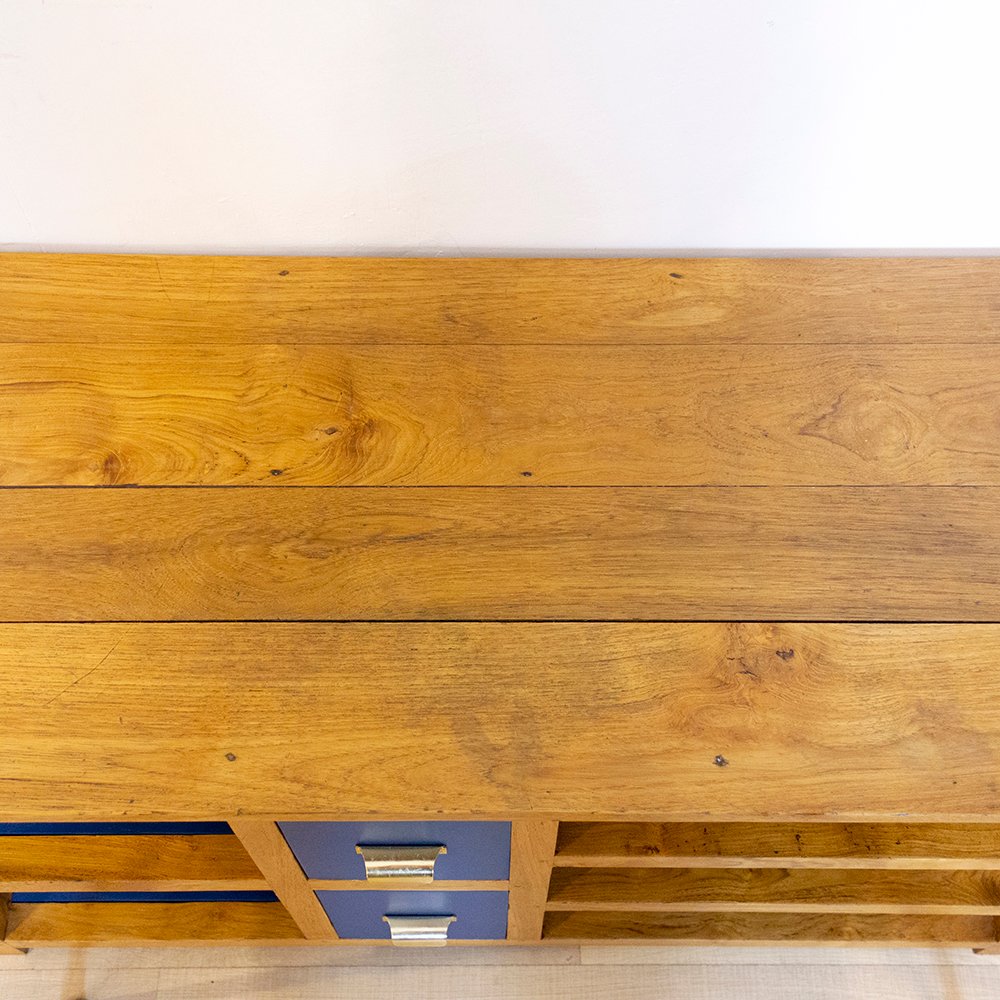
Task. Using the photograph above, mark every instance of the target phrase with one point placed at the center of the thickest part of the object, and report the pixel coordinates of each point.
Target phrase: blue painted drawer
(476, 850)
(480, 916)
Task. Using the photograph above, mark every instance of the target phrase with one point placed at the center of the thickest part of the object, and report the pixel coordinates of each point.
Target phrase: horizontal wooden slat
(38, 924)
(772, 928)
(498, 721)
(654, 554)
(407, 883)
(125, 864)
(764, 889)
(433, 416)
(60, 298)
(949, 846)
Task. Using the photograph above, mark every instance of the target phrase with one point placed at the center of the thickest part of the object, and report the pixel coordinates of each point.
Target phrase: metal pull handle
(419, 930)
(414, 864)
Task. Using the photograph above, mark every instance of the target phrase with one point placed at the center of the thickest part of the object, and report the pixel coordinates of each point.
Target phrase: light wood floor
(491, 974)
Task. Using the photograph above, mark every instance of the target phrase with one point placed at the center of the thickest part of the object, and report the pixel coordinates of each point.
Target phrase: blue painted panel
(476, 850)
(245, 896)
(111, 829)
(481, 916)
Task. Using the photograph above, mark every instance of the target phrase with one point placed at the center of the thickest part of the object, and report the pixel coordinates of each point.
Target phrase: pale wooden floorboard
(606, 973)
(682, 982)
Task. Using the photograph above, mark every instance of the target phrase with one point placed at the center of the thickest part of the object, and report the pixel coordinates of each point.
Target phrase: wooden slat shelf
(775, 889)
(60, 863)
(949, 846)
(772, 928)
(31, 925)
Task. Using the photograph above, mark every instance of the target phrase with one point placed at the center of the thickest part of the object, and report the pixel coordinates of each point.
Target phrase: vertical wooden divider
(264, 843)
(991, 949)
(6, 949)
(532, 848)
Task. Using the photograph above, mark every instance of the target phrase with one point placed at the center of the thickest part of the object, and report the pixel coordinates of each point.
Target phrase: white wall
(465, 125)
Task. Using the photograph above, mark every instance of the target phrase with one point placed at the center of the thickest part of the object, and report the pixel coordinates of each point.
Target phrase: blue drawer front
(475, 850)
(480, 916)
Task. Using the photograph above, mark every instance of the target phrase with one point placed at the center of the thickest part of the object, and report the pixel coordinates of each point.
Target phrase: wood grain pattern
(774, 889)
(661, 722)
(655, 554)
(36, 924)
(949, 846)
(436, 416)
(66, 298)
(532, 846)
(773, 928)
(125, 864)
(264, 842)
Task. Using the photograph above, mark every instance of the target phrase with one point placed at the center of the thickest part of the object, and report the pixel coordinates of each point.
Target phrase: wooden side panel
(125, 864)
(775, 889)
(266, 845)
(655, 554)
(439, 416)
(577, 721)
(38, 924)
(772, 928)
(532, 846)
(61, 298)
(950, 846)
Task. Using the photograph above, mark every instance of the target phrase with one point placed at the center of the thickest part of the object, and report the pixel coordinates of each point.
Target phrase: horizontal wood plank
(66, 298)
(470, 554)
(426, 416)
(406, 883)
(59, 863)
(681, 890)
(570, 721)
(433, 416)
(33, 924)
(949, 846)
(772, 928)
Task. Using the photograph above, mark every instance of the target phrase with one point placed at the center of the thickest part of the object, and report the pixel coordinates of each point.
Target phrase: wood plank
(655, 554)
(664, 722)
(35, 924)
(532, 846)
(381, 884)
(950, 846)
(772, 928)
(708, 976)
(125, 864)
(266, 845)
(681, 890)
(439, 416)
(66, 298)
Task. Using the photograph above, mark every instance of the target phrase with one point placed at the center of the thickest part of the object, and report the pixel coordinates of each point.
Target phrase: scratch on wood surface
(94, 668)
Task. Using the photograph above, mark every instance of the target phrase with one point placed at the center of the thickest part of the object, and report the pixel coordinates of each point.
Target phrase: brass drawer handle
(414, 864)
(419, 930)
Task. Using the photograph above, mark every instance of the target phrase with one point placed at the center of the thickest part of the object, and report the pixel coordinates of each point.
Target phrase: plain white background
(490, 125)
